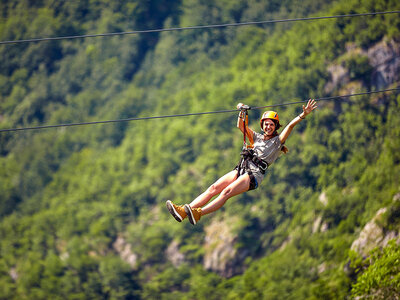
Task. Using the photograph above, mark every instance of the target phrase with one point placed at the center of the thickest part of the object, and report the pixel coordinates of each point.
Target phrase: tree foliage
(68, 195)
(380, 278)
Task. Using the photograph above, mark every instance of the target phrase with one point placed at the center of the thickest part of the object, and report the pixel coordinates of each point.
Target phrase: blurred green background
(83, 208)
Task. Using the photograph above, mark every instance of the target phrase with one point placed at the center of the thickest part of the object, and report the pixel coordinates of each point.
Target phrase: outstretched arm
(249, 131)
(311, 105)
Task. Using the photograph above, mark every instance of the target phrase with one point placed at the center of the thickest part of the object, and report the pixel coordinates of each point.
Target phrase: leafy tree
(379, 278)
(67, 194)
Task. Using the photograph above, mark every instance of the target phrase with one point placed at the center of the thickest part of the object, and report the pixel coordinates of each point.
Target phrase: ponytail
(284, 149)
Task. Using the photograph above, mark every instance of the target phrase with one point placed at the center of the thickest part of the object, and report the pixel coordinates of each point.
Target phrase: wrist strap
(302, 117)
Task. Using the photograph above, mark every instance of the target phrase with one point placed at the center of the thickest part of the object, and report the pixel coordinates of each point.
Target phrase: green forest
(82, 208)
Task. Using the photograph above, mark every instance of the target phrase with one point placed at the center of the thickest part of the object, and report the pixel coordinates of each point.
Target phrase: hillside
(83, 208)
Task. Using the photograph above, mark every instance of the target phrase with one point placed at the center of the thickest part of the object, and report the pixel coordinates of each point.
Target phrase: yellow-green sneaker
(194, 214)
(177, 211)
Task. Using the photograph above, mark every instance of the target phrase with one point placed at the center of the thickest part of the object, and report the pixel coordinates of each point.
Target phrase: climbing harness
(248, 155)
(243, 167)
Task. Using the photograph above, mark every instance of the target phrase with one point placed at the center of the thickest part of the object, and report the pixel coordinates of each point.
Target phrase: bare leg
(214, 189)
(237, 187)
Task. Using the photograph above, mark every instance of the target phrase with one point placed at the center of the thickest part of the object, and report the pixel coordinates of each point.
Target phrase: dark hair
(277, 124)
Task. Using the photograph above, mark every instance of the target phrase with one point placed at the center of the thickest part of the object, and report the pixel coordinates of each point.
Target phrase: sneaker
(194, 214)
(177, 211)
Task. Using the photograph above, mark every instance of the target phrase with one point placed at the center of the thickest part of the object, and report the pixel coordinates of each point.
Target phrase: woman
(251, 169)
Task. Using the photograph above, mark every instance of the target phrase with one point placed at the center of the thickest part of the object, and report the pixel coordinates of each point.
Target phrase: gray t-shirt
(267, 150)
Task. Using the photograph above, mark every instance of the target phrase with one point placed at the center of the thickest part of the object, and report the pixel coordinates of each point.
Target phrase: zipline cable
(194, 27)
(187, 114)
(328, 98)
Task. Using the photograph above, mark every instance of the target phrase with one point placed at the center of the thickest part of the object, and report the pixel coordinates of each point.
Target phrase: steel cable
(188, 114)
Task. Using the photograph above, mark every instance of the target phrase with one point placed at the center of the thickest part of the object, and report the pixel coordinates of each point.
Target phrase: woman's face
(269, 126)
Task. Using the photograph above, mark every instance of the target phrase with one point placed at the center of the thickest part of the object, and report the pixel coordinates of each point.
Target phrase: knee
(226, 191)
(213, 189)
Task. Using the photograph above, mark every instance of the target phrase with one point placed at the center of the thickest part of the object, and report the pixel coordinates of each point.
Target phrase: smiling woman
(264, 150)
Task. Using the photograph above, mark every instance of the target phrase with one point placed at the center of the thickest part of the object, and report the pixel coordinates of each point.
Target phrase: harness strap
(248, 155)
(245, 117)
(261, 164)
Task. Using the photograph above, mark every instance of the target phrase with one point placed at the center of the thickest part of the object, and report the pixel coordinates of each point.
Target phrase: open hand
(311, 105)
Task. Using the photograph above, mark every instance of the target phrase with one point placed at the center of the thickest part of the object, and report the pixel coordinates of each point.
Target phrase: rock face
(323, 199)
(384, 59)
(13, 273)
(371, 235)
(374, 235)
(221, 255)
(173, 255)
(339, 77)
(124, 250)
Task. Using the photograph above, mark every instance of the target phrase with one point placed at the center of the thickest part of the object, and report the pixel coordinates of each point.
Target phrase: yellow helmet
(273, 115)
